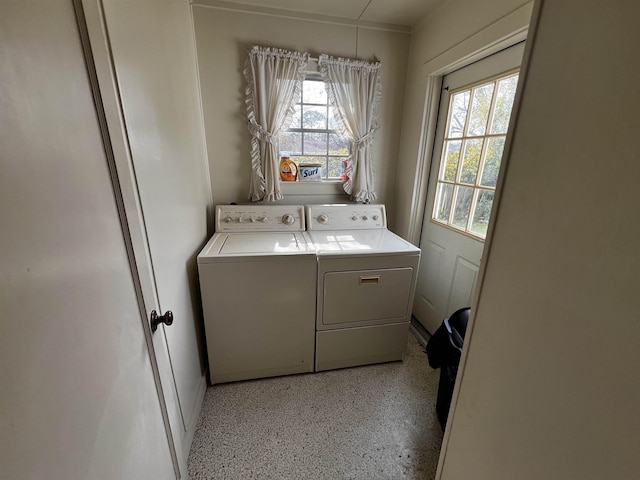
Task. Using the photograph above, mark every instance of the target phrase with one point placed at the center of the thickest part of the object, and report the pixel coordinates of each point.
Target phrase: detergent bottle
(288, 168)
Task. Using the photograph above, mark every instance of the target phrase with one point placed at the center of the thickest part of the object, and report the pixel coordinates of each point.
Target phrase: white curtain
(354, 91)
(274, 81)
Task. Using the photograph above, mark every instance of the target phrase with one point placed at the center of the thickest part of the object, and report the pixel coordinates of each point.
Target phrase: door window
(477, 122)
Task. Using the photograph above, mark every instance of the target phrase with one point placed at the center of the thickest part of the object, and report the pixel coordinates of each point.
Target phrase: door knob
(156, 319)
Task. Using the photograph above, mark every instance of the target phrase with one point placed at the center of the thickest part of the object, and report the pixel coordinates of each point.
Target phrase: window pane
(291, 142)
(333, 124)
(315, 143)
(444, 197)
(335, 167)
(313, 91)
(296, 118)
(493, 157)
(482, 212)
(472, 152)
(338, 145)
(480, 109)
(314, 117)
(462, 207)
(504, 104)
(452, 156)
(458, 114)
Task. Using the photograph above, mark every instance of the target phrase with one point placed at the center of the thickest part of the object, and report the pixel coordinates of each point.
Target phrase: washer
(365, 288)
(258, 286)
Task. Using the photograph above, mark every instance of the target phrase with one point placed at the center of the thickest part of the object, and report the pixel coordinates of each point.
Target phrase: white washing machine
(366, 283)
(258, 286)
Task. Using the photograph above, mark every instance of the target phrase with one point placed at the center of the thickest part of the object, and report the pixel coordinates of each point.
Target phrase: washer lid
(260, 243)
(359, 242)
(266, 244)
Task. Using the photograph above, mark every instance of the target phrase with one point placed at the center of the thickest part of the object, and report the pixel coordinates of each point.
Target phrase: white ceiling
(396, 12)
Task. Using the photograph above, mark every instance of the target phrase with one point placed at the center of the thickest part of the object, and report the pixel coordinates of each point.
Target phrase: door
(78, 398)
(146, 64)
(475, 107)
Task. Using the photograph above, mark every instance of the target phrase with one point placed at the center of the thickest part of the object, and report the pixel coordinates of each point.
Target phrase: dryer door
(363, 296)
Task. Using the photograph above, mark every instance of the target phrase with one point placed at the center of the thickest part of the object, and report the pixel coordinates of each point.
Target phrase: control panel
(259, 218)
(345, 217)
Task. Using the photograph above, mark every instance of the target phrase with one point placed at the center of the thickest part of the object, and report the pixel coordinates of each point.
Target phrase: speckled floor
(372, 422)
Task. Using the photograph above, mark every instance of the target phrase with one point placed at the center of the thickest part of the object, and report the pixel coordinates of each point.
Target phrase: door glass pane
(458, 114)
(451, 158)
(472, 152)
(480, 109)
(462, 207)
(482, 212)
(444, 197)
(492, 159)
(504, 103)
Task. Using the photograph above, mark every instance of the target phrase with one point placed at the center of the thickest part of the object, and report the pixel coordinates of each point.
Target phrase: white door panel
(154, 58)
(145, 60)
(450, 260)
(78, 398)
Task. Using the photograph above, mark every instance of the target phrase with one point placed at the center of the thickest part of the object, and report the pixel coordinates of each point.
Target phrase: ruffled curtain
(354, 90)
(274, 81)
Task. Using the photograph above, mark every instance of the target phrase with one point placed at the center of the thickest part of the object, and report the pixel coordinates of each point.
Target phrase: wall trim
(508, 30)
(313, 17)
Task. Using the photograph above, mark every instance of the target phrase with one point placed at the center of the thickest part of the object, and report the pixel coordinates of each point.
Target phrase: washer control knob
(365, 218)
(227, 219)
(241, 219)
(251, 219)
(288, 219)
(375, 217)
(323, 218)
(354, 218)
(263, 219)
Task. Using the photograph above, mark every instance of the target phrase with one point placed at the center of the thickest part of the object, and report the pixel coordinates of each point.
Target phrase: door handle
(370, 280)
(156, 319)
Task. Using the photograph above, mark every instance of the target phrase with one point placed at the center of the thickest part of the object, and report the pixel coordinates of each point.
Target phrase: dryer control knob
(288, 219)
(323, 218)
(354, 218)
(365, 218)
(227, 219)
(263, 219)
(375, 217)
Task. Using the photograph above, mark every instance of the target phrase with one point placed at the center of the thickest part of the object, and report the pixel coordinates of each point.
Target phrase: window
(314, 136)
(477, 123)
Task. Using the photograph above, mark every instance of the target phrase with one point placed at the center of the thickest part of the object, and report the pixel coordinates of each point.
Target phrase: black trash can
(443, 351)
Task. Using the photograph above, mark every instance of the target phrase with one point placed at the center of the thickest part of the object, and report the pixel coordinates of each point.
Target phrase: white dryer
(366, 283)
(258, 286)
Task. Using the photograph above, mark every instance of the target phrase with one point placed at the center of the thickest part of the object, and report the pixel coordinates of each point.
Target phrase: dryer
(365, 285)
(258, 286)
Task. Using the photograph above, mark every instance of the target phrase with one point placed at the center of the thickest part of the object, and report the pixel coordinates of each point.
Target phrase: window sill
(327, 187)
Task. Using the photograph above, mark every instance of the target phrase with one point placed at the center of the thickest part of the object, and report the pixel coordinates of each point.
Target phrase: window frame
(456, 184)
(316, 77)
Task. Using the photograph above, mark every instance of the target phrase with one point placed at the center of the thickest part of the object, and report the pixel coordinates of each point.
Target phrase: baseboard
(193, 421)
(419, 332)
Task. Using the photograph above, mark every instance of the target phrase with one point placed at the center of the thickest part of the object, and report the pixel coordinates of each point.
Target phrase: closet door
(78, 398)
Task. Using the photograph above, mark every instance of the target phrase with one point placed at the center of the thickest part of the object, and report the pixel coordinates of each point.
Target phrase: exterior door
(145, 58)
(475, 107)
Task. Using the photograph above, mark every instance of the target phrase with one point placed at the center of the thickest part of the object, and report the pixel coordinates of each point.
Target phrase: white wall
(223, 39)
(551, 381)
(77, 395)
(457, 28)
